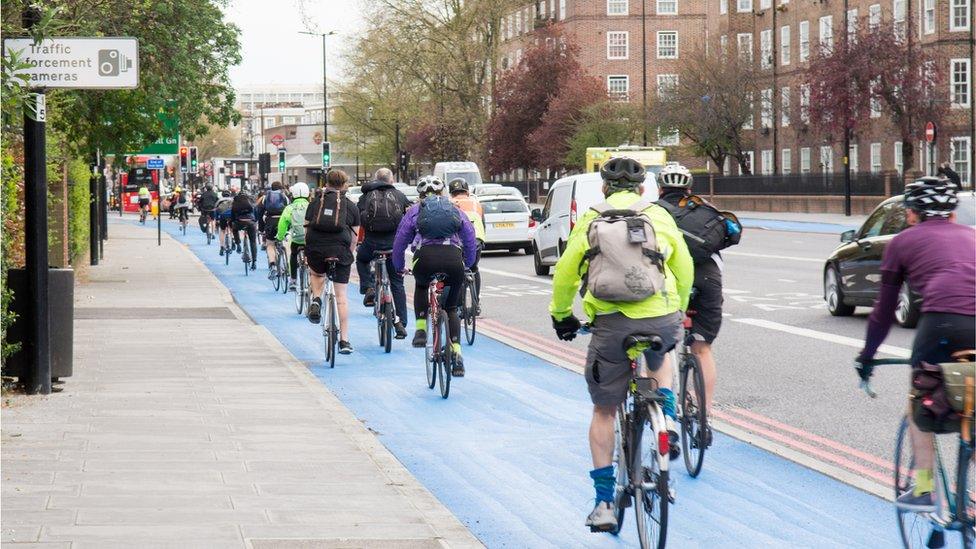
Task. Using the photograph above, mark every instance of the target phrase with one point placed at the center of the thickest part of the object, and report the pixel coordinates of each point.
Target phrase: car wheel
(834, 295)
(527, 250)
(907, 311)
(540, 269)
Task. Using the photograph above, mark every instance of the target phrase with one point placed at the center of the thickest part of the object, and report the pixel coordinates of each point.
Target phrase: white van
(446, 171)
(569, 198)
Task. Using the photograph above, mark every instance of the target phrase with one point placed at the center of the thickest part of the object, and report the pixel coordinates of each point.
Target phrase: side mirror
(847, 236)
(536, 215)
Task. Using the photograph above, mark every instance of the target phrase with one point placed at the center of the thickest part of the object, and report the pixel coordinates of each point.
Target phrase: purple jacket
(407, 230)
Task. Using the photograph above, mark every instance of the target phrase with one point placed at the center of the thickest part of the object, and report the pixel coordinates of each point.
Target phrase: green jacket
(679, 270)
(284, 222)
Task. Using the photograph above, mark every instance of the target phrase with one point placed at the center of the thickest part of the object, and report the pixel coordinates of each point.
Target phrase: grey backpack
(625, 263)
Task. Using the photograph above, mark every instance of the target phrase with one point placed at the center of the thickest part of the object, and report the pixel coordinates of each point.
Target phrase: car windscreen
(504, 206)
(473, 178)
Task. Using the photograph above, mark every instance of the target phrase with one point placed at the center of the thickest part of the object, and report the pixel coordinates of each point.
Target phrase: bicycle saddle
(652, 342)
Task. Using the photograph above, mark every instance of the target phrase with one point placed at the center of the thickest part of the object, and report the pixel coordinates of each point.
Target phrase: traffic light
(281, 160)
(193, 160)
(264, 163)
(184, 159)
(326, 155)
(404, 161)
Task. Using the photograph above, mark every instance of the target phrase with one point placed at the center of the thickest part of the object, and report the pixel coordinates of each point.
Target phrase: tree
(602, 124)
(216, 141)
(441, 140)
(894, 74)
(550, 141)
(709, 104)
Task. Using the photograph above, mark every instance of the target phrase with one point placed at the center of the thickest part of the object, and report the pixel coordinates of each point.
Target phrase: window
(667, 44)
(959, 157)
(784, 45)
(852, 159)
(766, 161)
(805, 103)
(874, 16)
(826, 159)
(786, 161)
(852, 24)
(875, 101)
(928, 16)
(745, 46)
(750, 158)
(898, 13)
(667, 7)
(540, 10)
(766, 107)
(617, 7)
(875, 157)
(960, 15)
(899, 165)
(804, 40)
(617, 47)
(666, 83)
(960, 88)
(743, 6)
(562, 9)
(723, 6)
(552, 9)
(765, 4)
(618, 87)
(804, 159)
(723, 44)
(518, 23)
(766, 48)
(827, 32)
(747, 125)
(784, 103)
(518, 56)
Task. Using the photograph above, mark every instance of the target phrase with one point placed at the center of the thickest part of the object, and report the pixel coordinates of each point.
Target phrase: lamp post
(325, 84)
(644, 70)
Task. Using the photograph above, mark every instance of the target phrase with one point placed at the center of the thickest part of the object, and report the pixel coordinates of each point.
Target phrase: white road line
(785, 280)
(769, 256)
(530, 278)
(900, 352)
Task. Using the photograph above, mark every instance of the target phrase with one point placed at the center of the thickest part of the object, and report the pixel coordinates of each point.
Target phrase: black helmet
(931, 196)
(225, 193)
(458, 185)
(622, 173)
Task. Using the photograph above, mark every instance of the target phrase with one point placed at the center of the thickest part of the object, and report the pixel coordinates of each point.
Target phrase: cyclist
(945, 276)
(607, 370)
(272, 204)
(381, 208)
(447, 244)
(207, 203)
(460, 195)
(292, 221)
(181, 203)
(222, 213)
(145, 199)
(332, 222)
(244, 218)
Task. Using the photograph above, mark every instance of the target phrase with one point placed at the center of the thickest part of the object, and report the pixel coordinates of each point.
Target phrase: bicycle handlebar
(865, 384)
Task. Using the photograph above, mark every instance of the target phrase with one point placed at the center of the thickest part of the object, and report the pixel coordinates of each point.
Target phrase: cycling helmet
(300, 190)
(931, 196)
(622, 173)
(225, 193)
(178, 190)
(674, 175)
(458, 185)
(430, 185)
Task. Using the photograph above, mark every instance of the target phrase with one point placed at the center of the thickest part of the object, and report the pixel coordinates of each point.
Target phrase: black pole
(847, 130)
(102, 206)
(644, 69)
(396, 140)
(159, 211)
(325, 100)
(93, 223)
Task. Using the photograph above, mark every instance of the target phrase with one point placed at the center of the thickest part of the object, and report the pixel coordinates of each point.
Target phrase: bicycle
(208, 216)
(228, 247)
(302, 291)
(184, 217)
(956, 510)
(279, 271)
(330, 318)
(143, 212)
(383, 308)
(691, 403)
(642, 448)
(469, 308)
(438, 353)
(245, 252)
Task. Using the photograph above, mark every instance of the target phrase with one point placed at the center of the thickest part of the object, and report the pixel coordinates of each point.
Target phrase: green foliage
(602, 125)
(79, 203)
(10, 177)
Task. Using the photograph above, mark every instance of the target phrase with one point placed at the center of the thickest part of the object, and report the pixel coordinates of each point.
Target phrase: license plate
(504, 225)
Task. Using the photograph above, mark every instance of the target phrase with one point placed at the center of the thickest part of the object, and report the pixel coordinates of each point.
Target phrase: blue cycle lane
(507, 453)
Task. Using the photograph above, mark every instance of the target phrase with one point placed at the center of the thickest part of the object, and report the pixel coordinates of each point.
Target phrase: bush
(79, 209)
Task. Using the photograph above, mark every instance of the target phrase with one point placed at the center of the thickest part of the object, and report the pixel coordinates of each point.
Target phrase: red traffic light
(183, 150)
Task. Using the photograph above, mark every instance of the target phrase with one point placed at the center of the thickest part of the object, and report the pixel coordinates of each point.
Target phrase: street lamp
(325, 84)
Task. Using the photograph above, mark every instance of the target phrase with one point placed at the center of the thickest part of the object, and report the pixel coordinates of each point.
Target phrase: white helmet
(674, 175)
(430, 185)
(299, 190)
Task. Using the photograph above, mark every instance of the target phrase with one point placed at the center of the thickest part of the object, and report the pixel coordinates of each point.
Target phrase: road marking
(900, 352)
(539, 279)
(770, 256)
(786, 280)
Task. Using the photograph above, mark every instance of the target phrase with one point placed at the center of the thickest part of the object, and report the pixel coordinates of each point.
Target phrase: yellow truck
(653, 158)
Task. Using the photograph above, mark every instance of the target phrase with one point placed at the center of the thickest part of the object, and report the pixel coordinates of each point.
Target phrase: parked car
(852, 273)
(499, 190)
(568, 198)
(446, 171)
(508, 224)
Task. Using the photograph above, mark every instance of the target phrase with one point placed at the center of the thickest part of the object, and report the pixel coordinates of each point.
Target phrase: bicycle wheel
(283, 271)
(622, 495)
(915, 528)
(966, 498)
(693, 419)
(275, 276)
(430, 356)
(387, 327)
(446, 361)
(651, 491)
(332, 337)
(469, 305)
(227, 249)
(300, 290)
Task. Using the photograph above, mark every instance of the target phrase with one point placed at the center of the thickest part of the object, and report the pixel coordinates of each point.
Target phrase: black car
(852, 274)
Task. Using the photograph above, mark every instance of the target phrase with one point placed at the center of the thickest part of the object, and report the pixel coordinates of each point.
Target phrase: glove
(864, 367)
(566, 328)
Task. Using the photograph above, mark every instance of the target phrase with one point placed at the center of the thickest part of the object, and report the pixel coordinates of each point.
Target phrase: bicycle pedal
(602, 529)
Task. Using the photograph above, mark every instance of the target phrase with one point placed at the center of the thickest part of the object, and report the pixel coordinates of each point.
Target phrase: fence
(830, 184)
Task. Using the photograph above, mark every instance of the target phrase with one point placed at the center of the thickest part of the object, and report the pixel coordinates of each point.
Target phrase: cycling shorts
(271, 228)
(707, 301)
(940, 334)
(316, 262)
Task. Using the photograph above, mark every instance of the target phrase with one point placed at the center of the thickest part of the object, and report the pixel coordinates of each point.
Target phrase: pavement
(186, 424)
(800, 222)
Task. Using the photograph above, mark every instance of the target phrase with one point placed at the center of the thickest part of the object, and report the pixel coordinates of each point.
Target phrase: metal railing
(824, 184)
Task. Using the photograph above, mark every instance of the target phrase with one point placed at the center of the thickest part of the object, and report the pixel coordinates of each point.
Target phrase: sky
(274, 52)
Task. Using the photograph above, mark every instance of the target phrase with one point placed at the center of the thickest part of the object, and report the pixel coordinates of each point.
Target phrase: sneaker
(345, 347)
(674, 448)
(908, 501)
(401, 331)
(603, 518)
(315, 311)
(457, 370)
(254, 266)
(369, 298)
(238, 246)
(420, 338)
(221, 251)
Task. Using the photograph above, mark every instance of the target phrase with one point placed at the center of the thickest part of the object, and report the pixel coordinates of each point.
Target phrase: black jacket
(208, 200)
(243, 208)
(377, 185)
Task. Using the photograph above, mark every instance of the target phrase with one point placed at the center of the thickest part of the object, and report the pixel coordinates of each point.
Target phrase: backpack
(438, 218)
(328, 216)
(383, 210)
(298, 209)
(706, 229)
(274, 202)
(223, 207)
(625, 263)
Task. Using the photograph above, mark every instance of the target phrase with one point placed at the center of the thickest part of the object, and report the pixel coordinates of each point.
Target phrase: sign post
(931, 134)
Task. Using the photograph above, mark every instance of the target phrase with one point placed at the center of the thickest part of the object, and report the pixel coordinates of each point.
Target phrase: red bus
(132, 181)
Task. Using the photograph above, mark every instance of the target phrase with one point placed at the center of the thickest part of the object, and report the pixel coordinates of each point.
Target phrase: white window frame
(966, 7)
(518, 23)
(665, 81)
(765, 4)
(766, 161)
(619, 95)
(786, 161)
(743, 6)
(766, 108)
(897, 156)
(826, 159)
(784, 45)
(658, 44)
(963, 85)
(748, 125)
(611, 4)
(876, 165)
(665, 11)
(744, 54)
(805, 103)
(804, 40)
(611, 35)
(852, 158)
(826, 35)
(723, 44)
(962, 163)
(898, 12)
(723, 6)
(928, 16)
(852, 24)
(750, 160)
(562, 9)
(804, 160)
(874, 16)
(784, 104)
(766, 48)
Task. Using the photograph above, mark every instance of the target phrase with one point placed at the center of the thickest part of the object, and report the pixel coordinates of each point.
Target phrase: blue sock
(603, 482)
(669, 400)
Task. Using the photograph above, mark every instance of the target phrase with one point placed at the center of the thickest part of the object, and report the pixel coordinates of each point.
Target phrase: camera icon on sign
(111, 63)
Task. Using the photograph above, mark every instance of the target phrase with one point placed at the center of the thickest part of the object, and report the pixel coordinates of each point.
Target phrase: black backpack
(327, 214)
(705, 228)
(383, 210)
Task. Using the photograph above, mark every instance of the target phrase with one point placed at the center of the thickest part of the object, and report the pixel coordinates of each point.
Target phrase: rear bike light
(663, 442)
(440, 286)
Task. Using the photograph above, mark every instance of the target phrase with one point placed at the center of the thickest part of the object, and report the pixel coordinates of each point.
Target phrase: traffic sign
(930, 132)
(155, 163)
(106, 63)
(277, 140)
